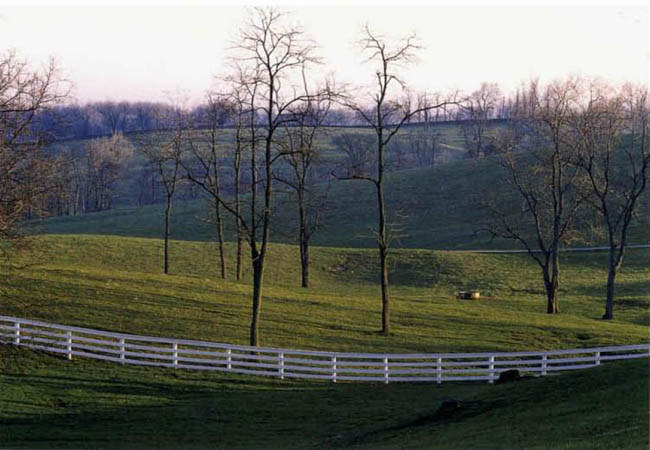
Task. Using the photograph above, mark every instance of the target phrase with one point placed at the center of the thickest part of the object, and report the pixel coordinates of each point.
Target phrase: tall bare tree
(240, 102)
(615, 155)
(241, 114)
(164, 150)
(271, 54)
(204, 167)
(388, 107)
(538, 155)
(303, 137)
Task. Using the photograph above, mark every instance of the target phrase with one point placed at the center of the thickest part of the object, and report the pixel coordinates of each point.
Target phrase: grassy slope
(48, 402)
(127, 191)
(115, 283)
(437, 209)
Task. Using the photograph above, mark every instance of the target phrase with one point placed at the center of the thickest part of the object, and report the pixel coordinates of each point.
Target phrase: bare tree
(615, 155)
(538, 154)
(303, 151)
(164, 150)
(146, 183)
(269, 53)
(25, 171)
(359, 158)
(242, 101)
(204, 168)
(105, 163)
(477, 110)
(391, 107)
(424, 143)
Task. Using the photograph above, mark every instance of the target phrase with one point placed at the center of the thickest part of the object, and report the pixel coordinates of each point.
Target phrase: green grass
(48, 402)
(116, 284)
(433, 208)
(103, 271)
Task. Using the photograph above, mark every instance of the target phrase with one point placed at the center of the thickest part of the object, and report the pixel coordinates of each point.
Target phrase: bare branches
(571, 147)
(389, 108)
(268, 92)
(614, 155)
(26, 174)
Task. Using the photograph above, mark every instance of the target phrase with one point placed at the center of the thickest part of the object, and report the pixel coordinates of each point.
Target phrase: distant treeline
(106, 118)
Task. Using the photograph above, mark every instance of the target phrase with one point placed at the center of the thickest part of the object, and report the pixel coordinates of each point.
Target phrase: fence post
(598, 358)
(69, 348)
(385, 370)
(17, 334)
(175, 348)
(281, 365)
(122, 350)
(491, 369)
(334, 369)
(229, 359)
(439, 370)
(544, 364)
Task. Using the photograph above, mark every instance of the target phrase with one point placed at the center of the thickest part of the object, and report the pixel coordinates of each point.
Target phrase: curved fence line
(289, 363)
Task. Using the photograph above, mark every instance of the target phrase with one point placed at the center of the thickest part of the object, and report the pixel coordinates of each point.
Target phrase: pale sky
(140, 52)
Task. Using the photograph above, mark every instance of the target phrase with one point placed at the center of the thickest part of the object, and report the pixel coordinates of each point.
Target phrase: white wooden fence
(285, 363)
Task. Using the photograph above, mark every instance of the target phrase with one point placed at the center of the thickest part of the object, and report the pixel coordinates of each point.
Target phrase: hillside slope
(116, 284)
(435, 208)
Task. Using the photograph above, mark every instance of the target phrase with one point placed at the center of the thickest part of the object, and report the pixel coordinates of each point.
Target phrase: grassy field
(104, 270)
(116, 284)
(433, 208)
(48, 402)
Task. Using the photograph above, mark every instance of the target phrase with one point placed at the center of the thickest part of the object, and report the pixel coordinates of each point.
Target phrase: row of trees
(574, 152)
(87, 178)
(105, 118)
(577, 157)
(79, 121)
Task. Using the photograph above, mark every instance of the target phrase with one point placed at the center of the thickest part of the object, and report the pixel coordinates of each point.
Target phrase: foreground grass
(48, 402)
(115, 284)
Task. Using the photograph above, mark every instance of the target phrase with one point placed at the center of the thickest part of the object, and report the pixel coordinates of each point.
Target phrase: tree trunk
(385, 300)
(383, 261)
(304, 242)
(167, 231)
(551, 283)
(239, 254)
(304, 259)
(259, 256)
(238, 261)
(551, 298)
(219, 229)
(258, 278)
(609, 303)
(615, 261)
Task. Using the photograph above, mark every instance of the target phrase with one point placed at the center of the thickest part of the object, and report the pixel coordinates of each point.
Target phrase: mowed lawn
(49, 402)
(115, 283)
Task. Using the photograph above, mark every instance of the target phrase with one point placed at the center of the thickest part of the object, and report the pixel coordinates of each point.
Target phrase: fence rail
(287, 363)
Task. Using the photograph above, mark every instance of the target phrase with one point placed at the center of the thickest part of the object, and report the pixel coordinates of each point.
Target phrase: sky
(152, 51)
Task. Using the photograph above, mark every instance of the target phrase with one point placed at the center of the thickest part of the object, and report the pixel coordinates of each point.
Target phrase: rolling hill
(434, 208)
(116, 283)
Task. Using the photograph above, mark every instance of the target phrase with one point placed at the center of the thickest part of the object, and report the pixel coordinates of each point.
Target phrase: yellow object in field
(474, 294)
